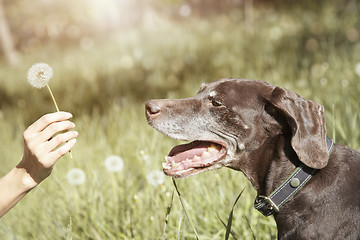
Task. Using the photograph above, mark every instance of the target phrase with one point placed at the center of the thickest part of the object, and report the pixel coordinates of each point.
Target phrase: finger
(46, 120)
(54, 129)
(61, 151)
(59, 140)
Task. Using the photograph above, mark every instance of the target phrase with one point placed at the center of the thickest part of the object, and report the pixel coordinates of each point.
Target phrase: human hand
(44, 144)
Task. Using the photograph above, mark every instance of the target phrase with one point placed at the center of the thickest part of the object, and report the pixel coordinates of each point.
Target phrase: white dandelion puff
(114, 163)
(76, 176)
(39, 75)
(156, 177)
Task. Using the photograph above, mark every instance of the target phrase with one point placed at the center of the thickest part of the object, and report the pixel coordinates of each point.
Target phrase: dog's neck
(274, 163)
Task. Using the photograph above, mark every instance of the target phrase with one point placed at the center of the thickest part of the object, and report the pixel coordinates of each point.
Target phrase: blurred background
(110, 56)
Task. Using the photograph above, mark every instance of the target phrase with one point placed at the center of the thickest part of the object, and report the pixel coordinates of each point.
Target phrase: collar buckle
(265, 205)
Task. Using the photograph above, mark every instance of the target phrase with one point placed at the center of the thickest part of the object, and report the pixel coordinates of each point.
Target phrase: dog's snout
(152, 107)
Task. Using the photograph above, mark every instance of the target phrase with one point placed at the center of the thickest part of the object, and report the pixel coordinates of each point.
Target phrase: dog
(278, 140)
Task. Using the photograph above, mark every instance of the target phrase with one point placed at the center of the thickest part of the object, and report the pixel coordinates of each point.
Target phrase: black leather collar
(267, 205)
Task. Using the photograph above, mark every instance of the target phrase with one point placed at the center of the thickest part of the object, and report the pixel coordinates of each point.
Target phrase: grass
(301, 47)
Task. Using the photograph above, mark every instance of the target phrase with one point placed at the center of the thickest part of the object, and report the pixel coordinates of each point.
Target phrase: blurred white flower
(114, 163)
(156, 177)
(76, 176)
(357, 69)
(39, 75)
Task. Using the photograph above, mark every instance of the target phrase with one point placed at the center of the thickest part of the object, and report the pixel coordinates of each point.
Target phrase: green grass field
(311, 49)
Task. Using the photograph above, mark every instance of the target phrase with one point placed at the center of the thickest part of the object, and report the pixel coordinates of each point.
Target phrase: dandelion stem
(56, 106)
(53, 98)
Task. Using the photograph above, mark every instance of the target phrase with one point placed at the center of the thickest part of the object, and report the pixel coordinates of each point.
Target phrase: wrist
(23, 178)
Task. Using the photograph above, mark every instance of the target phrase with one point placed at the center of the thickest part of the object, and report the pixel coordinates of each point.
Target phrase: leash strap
(267, 205)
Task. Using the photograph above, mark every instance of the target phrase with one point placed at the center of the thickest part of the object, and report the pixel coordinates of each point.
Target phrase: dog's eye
(216, 103)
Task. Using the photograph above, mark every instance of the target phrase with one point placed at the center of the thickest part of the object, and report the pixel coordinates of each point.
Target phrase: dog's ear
(307, 123)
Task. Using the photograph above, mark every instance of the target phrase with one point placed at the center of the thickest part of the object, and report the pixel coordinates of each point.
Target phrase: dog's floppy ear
(307, 123)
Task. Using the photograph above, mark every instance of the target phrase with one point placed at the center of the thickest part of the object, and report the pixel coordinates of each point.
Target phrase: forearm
(13, 187)
(45, 141)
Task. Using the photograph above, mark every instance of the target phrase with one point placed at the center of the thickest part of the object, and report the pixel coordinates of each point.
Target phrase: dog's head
(229, 120)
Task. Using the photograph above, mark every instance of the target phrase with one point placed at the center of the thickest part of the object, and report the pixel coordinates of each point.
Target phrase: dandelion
(114, 163)
(38, 76)
(76, 176)
(156, 177)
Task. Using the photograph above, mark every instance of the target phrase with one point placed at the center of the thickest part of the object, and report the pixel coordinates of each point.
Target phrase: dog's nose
(152, 107)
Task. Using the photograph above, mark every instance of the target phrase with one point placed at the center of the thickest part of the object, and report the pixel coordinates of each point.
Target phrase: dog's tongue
(193, 155)
(188, 151)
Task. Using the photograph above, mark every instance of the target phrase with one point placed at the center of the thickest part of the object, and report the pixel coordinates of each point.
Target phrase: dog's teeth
(174, 164)
(166, 158)
(196, 158)
(212, 148)
(166, 166)
(205, 154)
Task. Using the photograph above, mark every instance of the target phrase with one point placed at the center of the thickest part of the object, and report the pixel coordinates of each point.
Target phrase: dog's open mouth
(189, 159)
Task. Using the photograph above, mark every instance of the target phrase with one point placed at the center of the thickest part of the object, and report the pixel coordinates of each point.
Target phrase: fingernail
(69, 115)
(76, 133)
(72, 141)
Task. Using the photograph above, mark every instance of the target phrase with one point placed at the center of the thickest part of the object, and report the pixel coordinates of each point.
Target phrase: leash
(267, 205)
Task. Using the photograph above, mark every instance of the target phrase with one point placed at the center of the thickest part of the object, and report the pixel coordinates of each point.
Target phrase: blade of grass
(252, 232)
(167, 216)
(179, 230)
(183, 206)
(69, 230)
(228, 227)
(223, 223)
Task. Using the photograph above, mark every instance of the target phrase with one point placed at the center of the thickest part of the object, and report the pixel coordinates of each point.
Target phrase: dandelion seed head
(76, 176)
(156, 177)
(39, 75)
(114, 163)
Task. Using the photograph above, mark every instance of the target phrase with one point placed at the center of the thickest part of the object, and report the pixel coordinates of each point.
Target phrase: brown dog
(267, 132)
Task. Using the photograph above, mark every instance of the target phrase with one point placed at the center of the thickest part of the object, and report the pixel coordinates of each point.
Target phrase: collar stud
(295, 182)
